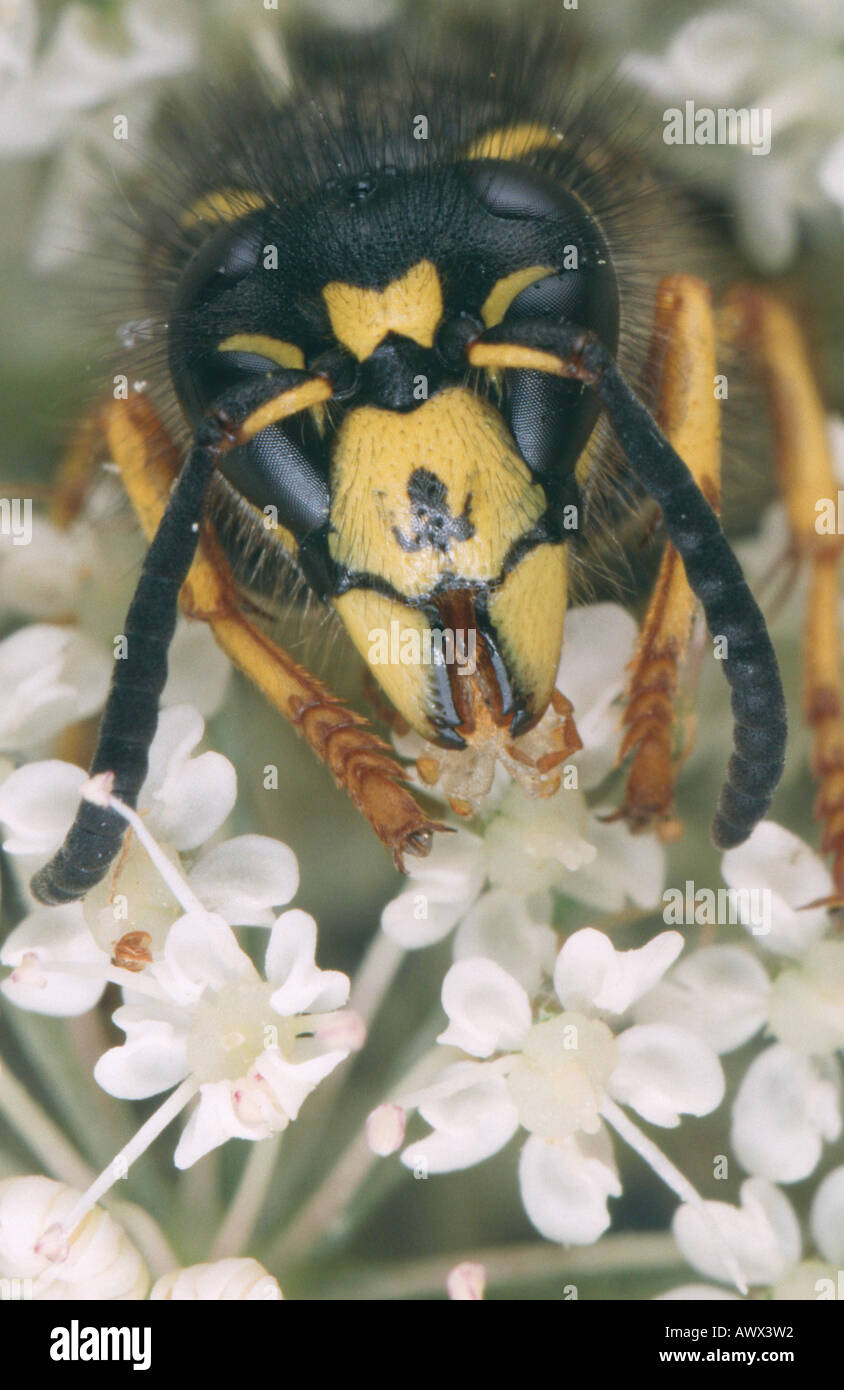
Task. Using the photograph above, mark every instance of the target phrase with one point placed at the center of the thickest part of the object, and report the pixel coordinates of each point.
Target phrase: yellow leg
(757, 319)
(148, 463)
(687, 412)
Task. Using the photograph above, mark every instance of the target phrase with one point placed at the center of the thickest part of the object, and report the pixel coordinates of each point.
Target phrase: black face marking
(434, 525)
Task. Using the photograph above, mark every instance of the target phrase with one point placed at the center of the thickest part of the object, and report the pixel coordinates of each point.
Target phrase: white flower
(45, 579)
(789, 1101)
(719, 993)
(558, 1077)
(764, 1236)
(223, 1281)
(59, 99)
(50, 677)
(721, 59)
(784, 1110)
(776, 860)
(185, 797)
(495, 886)
(95, 1261)
(38, 948)
(254, 1047)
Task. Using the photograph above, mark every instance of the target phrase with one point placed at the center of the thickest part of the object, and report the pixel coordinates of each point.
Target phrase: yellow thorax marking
(224, 205)
(411, 305)
(504, 291)
(509, 142)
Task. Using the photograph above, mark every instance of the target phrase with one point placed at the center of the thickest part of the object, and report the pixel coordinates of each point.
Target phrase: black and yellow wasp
(425, 314)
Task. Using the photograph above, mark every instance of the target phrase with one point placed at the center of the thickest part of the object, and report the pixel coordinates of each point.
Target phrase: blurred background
(65, 69)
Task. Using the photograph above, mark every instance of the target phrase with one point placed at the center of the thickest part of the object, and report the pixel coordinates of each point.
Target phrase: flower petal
(198, 671)
(664, 1071)
(201, 952)
(243, 878)
(826, 1220)
(500, 928)
(186, 798)
(786, 1106)
(775, 859)
(445, 885)
(241, 1279)
(565, 1186)
(763, 1234)
(719, 993)
(48, 938)
(154, 1056)
(590, 974)
(488, 1010)
(101, 1262)
(599, 642)
(290, 964)
(50, 677)
(472, 1117)
(38, 803)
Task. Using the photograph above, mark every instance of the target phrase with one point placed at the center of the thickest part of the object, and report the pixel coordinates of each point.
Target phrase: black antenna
(130, 717)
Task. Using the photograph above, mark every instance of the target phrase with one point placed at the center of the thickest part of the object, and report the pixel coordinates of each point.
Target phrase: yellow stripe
(503, 293)
(275, 349)
(224, 205)
(280, 407)
(509, 142)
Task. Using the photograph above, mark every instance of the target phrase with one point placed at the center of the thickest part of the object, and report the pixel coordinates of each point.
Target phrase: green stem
(527, 1263)
(252, 1189)
(322, 1214)
(40, 1133)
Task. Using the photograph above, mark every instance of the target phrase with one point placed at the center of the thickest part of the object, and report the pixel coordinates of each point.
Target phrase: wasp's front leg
(688, 413)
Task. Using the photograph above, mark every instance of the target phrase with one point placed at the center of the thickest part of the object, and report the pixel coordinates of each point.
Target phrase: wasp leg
(688, 413)
(805, 475)
(361, 763)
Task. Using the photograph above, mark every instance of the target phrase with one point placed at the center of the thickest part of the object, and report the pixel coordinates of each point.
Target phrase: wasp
(426, 327)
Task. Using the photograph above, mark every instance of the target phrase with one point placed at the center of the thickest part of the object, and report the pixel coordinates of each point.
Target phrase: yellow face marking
(275, 349)
(380, 626)
(527, 612)
(411, 305)
(489, 499)
(224, 205)
(509, 142)
(504, 291)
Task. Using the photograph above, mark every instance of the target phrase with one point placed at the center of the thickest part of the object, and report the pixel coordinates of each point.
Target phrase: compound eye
(553, 297)
(227, 257)
(452, 339)
(586, 297)
(513, 191)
